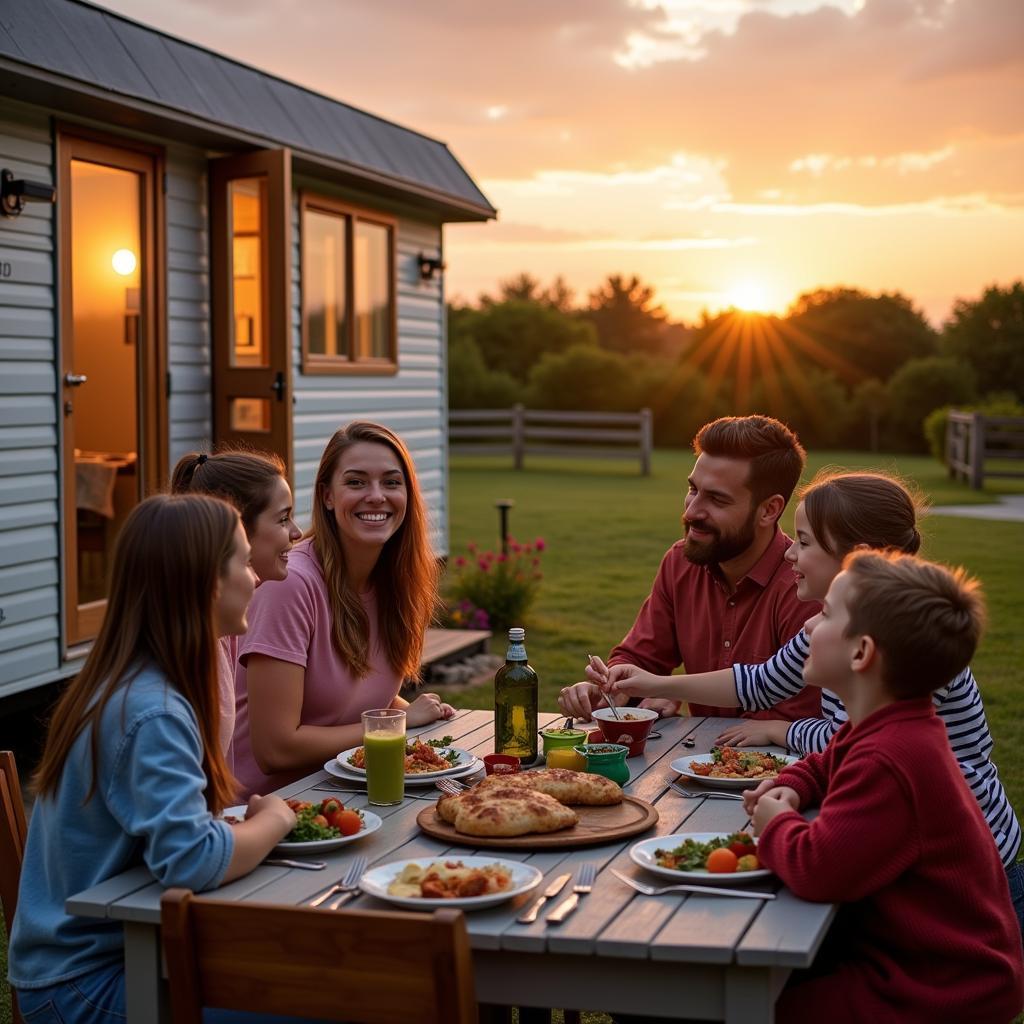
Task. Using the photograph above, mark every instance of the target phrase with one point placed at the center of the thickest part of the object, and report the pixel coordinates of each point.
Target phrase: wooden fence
(972, 437)
(520, 432)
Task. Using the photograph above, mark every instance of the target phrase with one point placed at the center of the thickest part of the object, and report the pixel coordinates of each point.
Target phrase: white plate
(349, 774)
(371, 822)
(466, 759)
(376, 881)
(642, 853)
(682, 765)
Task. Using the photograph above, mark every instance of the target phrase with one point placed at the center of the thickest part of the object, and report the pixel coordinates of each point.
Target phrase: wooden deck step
(446, 645)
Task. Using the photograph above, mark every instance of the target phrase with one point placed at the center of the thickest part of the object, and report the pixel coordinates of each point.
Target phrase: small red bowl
(631, 732)
(501, 764)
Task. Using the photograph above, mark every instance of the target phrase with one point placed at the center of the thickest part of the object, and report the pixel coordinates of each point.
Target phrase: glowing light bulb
(124, 262)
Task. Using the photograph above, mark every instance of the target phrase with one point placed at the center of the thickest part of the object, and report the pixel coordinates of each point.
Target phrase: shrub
(503, 586)
(918, 387)
(465, 615)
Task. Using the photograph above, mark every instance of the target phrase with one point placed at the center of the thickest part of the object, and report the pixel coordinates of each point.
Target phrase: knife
(309, 865)
(549, 893)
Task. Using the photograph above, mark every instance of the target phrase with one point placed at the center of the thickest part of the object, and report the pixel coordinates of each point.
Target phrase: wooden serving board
(596, 825)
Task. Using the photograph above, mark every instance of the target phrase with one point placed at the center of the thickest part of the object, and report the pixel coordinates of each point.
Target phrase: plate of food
(428, 759)
(711, 858)
(732, 767)
(339, 771)
(471, 883)
(319, 827)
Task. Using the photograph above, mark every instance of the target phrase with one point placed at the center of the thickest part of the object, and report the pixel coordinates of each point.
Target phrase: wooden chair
(13, 830)
(368, 967)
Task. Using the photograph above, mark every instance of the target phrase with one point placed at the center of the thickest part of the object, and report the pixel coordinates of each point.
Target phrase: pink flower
(471, 547)
(460, 562)
(502, 558)
(483, 564)
(539, 544)
(516, 548)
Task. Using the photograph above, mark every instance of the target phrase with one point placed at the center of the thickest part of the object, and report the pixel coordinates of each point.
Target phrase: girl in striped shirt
(839, 512)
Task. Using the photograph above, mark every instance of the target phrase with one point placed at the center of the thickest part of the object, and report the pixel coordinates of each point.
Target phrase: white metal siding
(413, 402)
(29, 511)
(188, 302)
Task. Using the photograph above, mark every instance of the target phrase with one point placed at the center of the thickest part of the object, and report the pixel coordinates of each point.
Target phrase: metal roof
(132, 63)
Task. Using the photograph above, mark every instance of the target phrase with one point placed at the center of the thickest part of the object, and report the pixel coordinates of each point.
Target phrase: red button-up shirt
(690, 618)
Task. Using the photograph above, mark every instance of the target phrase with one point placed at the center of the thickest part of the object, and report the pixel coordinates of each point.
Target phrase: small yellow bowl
(566, 757)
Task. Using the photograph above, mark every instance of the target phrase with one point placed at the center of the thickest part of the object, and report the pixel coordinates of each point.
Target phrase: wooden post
(977, 457)
(518, 435)
(950, 447)
(646, 435)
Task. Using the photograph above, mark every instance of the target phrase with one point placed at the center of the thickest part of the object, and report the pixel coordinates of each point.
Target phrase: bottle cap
(516, 635)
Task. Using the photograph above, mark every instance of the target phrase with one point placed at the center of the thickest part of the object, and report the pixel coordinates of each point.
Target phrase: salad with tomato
(326, 820)
(721, 855)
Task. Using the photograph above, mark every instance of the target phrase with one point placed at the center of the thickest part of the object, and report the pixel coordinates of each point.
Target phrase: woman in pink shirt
(254, 482)
(340, 634)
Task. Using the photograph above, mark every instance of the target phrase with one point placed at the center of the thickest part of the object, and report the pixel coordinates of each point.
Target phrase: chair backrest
(368, 967)
(13, 830)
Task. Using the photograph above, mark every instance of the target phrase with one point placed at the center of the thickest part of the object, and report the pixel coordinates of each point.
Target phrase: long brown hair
(241, 476)
(846, 510)
(405, 577)
(168, 558)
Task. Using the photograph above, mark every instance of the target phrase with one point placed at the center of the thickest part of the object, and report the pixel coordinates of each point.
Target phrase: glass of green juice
(384, 745)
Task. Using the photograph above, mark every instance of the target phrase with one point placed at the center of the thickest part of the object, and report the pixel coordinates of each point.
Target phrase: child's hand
(773, 803)
(272, 806)
(751, 796)
(752, 733)
(632, 681)
(427, 708)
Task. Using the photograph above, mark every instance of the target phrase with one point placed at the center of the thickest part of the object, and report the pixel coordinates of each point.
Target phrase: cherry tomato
(330, 806)
(721, 862)
(742, 849)
(748, 863)
(347, 822)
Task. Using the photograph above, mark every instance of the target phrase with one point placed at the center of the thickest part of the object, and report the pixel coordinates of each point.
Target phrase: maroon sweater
(927, 932)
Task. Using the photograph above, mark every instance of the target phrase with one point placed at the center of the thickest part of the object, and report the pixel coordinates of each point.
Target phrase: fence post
(646, 434)
(518, 435)
(977, 456)
(950, 449)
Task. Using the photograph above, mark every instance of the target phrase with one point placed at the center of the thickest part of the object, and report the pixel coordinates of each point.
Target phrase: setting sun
(749, 296)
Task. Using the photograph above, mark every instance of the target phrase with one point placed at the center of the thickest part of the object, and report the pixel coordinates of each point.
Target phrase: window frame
(314, 362)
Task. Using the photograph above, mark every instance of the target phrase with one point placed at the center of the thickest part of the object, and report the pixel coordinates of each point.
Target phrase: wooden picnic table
(677, 956)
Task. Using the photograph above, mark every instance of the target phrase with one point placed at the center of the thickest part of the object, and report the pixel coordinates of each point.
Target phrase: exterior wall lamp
(429, 266)
(15, 192)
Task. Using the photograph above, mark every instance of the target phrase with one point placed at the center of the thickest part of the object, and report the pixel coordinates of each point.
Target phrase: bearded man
(724, 593)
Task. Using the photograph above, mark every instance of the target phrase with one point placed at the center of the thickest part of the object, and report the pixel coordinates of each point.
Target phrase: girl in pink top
(340, 634)
(254, 482)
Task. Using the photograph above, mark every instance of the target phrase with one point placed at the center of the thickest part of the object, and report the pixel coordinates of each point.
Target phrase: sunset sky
(726, 151)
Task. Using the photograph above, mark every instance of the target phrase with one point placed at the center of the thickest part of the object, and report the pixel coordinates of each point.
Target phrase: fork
(346, 885)
(584, 883)
(703, 890)
(450, 787)
(703, 794)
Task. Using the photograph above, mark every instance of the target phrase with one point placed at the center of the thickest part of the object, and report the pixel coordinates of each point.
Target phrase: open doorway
(111, 404)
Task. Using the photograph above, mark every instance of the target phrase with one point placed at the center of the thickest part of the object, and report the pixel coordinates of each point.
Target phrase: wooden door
(250, 209)
(113, 362)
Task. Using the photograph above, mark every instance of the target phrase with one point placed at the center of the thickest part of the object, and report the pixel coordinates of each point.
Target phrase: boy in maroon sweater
(927, 931)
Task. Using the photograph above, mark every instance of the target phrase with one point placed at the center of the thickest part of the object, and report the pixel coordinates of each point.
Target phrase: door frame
(274, 165)
(73, 141)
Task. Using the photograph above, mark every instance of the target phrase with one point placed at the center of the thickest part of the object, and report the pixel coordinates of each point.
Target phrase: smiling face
(273, 534)
(234, 589)
(813, 566)
(367, 496)
(829, 663)
(719, 512)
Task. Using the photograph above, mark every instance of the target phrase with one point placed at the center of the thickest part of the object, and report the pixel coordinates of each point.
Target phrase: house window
(348, 289)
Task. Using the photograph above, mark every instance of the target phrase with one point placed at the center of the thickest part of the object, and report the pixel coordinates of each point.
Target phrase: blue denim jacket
(148, 808)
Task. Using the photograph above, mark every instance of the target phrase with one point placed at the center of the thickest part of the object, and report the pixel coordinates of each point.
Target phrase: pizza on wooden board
(529, 802)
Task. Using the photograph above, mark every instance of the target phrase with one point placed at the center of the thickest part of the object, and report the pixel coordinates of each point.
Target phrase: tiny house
(192, 252)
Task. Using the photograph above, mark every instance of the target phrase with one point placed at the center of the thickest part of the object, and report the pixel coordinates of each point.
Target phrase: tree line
(843, 367)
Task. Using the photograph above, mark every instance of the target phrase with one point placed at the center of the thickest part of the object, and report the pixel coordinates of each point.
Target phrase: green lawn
(606, 529)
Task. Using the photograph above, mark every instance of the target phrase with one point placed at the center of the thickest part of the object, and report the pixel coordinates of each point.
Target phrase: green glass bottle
(515, 702)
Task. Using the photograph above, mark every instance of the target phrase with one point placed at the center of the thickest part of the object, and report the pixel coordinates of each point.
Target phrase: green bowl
(556, 738)
(607, 759)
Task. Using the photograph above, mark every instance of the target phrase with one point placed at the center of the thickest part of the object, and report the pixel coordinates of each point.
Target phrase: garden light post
(503, 505)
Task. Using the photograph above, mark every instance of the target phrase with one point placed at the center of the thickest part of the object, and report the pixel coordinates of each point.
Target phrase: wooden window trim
(314, 364)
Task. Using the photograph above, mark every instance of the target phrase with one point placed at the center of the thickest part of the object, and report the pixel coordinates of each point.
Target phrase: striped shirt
(758, 687)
